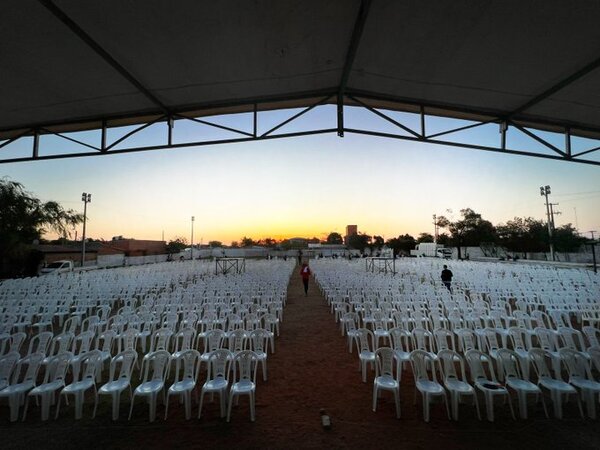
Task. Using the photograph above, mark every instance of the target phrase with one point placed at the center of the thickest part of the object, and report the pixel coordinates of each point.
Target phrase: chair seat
(490, 386)
(217, 384)
(243, 387)
(459, 386)
(401, 356)
(386, 382)
(149, 387)
(430, 387)
(583, 383)
(182, 386)
(559, 385)
(16, 389)
(523, 385)
(114, 386)
(47, 387)
(82, 385)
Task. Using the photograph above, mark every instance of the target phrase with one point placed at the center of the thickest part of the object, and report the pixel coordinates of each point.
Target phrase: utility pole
(593, 245)
(435, 229)
(85, 198)
(553, 213)
(544, 191)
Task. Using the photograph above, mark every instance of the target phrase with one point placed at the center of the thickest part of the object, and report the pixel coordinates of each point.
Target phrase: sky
(306, 186)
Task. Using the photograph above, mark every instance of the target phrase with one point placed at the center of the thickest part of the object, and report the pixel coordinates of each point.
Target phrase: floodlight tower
(544, 192)
(435, 229)
(85, 198)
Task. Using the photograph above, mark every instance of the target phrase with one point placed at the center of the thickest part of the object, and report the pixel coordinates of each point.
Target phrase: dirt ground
(310, 370)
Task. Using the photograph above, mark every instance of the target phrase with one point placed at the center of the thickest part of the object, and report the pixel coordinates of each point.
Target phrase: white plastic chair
(456, 382)
(213, 340)
(580, 376)
(125, 362)
(244, 366)
(515, 379)
(384, 377)
(557, 387)
(23, 380)
(217, 379)
(401, 344)
(40, 343)
(155, 367)
(54, 380)
(259, 340)
(91, 363)
(487, 384)
(187, 367)
(429, 388)
(366, 355)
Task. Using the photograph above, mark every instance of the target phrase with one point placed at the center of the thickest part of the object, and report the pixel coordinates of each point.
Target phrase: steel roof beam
(557, 87)
(98, 49)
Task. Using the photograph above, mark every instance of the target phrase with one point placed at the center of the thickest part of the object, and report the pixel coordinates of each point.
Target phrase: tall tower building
(350, 230)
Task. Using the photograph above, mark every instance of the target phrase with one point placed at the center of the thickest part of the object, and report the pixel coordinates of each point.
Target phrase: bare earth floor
(310, 370)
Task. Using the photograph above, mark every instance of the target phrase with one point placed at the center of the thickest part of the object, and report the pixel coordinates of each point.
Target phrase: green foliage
(334, 238)
(402, 244)
(214, 244)
(523, 235)
(359, 241)
(24, 219)
(247, 242)
(176, 245)
(471, 230)
(377, 242)
(424, 237)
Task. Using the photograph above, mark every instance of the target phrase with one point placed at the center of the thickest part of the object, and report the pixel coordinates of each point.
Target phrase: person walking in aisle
(447, 277)
(305, 274)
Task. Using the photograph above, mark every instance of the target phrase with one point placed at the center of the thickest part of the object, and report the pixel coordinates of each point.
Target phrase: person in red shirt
(305, 274)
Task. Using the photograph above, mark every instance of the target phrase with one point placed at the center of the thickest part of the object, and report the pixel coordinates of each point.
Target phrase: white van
(57, 267)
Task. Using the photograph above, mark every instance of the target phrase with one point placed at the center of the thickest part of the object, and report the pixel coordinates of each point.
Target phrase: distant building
(135, 247)
(350, 230)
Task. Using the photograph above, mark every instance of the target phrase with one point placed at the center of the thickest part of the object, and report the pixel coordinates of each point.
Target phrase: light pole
(544, 191)
(192, 246)
(435, 229)
(85, 198)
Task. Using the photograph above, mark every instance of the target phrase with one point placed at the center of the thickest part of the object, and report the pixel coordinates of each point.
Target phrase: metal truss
(229, 265)
(404, 132)
(380, 265)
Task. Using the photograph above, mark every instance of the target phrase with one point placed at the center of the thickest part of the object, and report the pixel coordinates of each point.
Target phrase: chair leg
(252, 411)
(229, 407)
(375, 390)
(167, 408)
(200, 404)
(397, 400)
(131, 408)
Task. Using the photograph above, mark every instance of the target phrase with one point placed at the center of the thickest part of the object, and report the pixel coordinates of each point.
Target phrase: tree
(247, 242)
(378, 242)
(424, 237)
(176, 245)
(471, 230)
(234, 244)
(403, 243)
(25, 219)
(359, 241)
(214, 244)
(268, 242)
(334, 238)
(566, 239)
(523, 235)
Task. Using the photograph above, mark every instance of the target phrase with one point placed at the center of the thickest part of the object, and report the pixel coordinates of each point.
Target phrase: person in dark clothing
(447, 277)
(305, 274)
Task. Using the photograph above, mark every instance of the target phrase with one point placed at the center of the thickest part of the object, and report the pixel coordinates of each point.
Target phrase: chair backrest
(161, 339)
(155, 365)
(105, 341)
(422, 339)
(571, 338)
(40, 343)
(7, 364)
(16, 341)
(71, 324)
(184, 339)
(57, 367)
(128, 340)
(61, 343)
(491, 339)
(187, 365)
(218, 364)
(237, 340)
(32, 364)
(244, 366)
(123, 361)
(401, 339)
(259, 340)
(546, 338)
(594, 353)
(91, 364)
(593, 335)
(516, 335)
(214, 340)
(366, 340)
(421, 361)
(384, 362)
(510, 364)
(467, 339)
(538, 359)
(447, 360)
(444, 339)
(82, 343)
(576, 363)
(475, 360)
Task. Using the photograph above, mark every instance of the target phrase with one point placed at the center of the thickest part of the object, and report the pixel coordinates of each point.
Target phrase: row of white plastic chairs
(229, 374)
(183, 343)
(436, 376)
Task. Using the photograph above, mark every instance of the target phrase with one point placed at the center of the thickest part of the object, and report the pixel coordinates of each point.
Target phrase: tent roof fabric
(69, 65)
